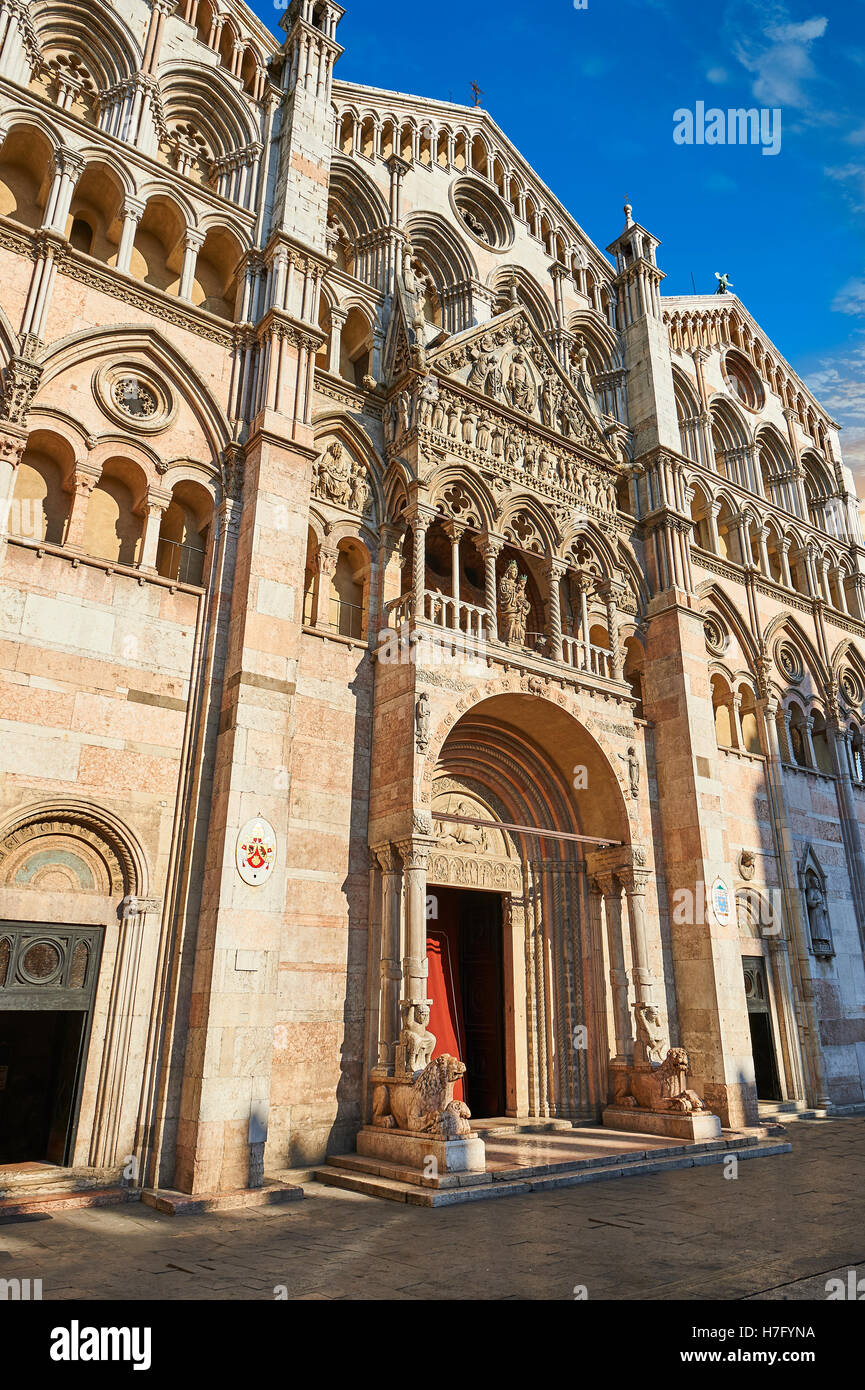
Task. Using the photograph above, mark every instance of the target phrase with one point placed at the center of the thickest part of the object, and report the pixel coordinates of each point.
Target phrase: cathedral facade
(412, 622)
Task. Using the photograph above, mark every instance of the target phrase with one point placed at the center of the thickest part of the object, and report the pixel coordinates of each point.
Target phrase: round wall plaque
(256, 851)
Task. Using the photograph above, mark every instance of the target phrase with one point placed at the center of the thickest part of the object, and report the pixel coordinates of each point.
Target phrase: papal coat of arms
(256, 851)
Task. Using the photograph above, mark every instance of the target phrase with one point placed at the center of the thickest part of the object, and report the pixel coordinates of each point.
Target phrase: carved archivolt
(67, 851)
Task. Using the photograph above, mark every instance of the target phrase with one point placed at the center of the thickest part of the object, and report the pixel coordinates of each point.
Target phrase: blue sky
(587, 95)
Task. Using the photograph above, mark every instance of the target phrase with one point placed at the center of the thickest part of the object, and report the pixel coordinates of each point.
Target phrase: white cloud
(799, 33)
(851, 177)
(777, 54)
(718, 75)
(838, 382)
(850, 299)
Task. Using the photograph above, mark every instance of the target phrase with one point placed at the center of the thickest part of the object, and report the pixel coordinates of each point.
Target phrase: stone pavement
(779, 1230)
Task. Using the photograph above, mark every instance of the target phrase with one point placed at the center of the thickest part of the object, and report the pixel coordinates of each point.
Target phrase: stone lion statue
(425, 1105)
(664, 1087)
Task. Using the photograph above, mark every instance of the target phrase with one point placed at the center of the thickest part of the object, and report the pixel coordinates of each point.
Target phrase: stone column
(454, 531)
(390, 970)
(611, 888)
(736, 720)
(12, 446)
(583, 584)
(634, 881)
(617, 666)
(555, 570)
(600, 1037)
(784, 554)
(193, 244)
(325, 569)
(337, 320)
(785, 738)
(68, 168)
(762, 536)
(419, 522)
(415, 854)
(83, 481)
(133, 211)
(712, 522)
(155, 506)
(807, 734)
(490, 548)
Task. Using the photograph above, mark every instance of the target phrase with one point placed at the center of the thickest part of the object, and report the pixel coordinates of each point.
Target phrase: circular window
(789, 661)
(716, 637)
(40, 962)
(131, 396)
(851, 687)
(743, 382)
(482, 213)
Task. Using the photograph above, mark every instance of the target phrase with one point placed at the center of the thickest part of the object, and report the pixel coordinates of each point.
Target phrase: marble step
(29, 1179)
(368, 1178)
(33, 1203)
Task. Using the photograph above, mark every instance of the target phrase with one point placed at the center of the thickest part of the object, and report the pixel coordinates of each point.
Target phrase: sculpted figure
(358, 490)
(427, 401)
(650, 1032)
(404, 411)
(417, 1042)
(478, 374)
(483, 435)
(520, 385)
(661, 1088)
(633, 765)
(493, 378)
(331, 475)
(425, 1105)
(463, 836)
(422, 722)
(551, 398)
(818, 917)
(515, 605)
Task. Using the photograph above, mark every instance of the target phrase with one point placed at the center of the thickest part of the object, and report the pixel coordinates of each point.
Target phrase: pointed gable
(507, 363)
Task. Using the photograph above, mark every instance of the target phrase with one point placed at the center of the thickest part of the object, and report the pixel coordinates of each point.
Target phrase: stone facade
(350, 491)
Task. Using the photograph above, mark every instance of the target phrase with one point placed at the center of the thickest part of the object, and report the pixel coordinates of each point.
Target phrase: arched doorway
(71, 935)
(520, 794)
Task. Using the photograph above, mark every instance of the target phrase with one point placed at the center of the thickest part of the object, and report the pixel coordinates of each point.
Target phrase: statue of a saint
(818, 917)
(520, 385)
(514, 605)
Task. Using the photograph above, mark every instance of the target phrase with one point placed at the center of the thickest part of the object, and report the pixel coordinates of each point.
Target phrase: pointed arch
(94, 35)
(204, 100)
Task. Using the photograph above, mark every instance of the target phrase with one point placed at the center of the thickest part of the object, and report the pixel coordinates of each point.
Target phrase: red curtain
(446, 1011)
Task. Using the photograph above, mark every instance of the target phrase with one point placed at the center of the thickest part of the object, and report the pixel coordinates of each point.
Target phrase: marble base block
(413, 1150)
(698, 1125)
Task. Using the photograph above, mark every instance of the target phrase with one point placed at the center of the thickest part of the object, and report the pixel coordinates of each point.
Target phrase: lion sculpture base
(656, 1099)
(418, 1124)
(426, 1104)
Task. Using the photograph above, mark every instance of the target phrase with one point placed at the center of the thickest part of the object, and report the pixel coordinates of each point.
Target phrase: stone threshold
(171, 1203)
(393, 1182)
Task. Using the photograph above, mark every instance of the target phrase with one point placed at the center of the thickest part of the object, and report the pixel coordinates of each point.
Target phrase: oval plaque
(256, 851)
(722, 903)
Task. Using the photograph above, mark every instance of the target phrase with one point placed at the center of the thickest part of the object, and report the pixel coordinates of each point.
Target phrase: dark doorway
(39, 1059)
(760, 1020)
(464, 947)
(47, 980)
